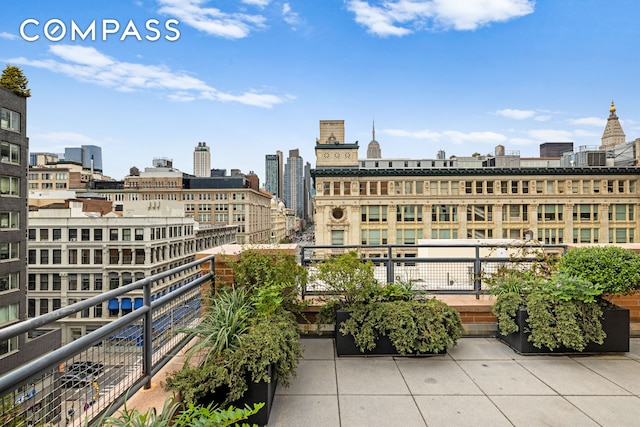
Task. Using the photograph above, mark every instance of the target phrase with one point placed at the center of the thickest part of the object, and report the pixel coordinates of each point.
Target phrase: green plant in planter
(615, 269)
(247, 329)
(564, 298)
(267, 341)
(413, 325)
(176, 414)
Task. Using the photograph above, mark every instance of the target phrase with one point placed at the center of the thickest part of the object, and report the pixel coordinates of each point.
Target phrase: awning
(113, 304)
(126, 303)
(137, 303)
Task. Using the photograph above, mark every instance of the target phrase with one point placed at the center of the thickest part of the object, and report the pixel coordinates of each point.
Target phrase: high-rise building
(88, 156)
(280, 174)
(202, 160)
(14, 158)
(272, 173)
(373, 150)
(293, 183)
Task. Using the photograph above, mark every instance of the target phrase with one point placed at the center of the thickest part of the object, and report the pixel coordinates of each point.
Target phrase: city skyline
(256, 76)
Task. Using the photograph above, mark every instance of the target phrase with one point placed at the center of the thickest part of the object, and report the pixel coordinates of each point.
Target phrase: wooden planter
(257, 392)
(346, 345)
(615, 324)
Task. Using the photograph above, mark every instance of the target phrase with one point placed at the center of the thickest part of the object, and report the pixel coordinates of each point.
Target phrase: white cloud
(89, 65)
(551, 135)
(289, 16)
(402, 17)
(213, 21)
(259, 3)
(589, 121)
(452, 136)
(522, 141)
(5, 35)
(516, 114)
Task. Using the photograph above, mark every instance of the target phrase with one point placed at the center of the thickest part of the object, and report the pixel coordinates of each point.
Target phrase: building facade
(395, 201)
(14, 160)
(202, 160)
(272, 174)
(227, 200)
(75, 252)
(294, 183)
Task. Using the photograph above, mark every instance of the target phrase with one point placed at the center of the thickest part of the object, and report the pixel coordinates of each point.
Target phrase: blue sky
(251, 77)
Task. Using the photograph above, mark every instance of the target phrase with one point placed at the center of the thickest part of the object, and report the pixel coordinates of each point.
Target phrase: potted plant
(371, 318)
(246, 344)
(177, 414)
(558, 304)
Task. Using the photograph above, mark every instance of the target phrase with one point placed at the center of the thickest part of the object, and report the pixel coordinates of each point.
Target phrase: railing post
(147, 362)
(477, 271)
(390, 278)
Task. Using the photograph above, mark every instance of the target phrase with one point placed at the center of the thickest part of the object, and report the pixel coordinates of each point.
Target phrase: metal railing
(457, 268)
(93, 375)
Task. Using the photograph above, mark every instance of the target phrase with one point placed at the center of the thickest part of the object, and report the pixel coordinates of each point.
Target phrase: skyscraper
(202, 160)
(272, 174)
(294, 183)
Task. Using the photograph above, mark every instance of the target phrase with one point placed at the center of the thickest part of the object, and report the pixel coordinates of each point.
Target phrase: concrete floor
(480, 382)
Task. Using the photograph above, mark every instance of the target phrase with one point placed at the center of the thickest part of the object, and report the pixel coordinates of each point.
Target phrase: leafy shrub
(615, 269)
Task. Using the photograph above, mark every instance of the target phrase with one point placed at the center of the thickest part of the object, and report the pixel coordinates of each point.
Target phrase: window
(73, 256)
(31, 283)
(57, 256)
(44, 282)
(409, 213)
(56, 282)
(31, 234)
(114, 281)
(549, 213)
(85, 234)
(113, 234)
(86, 256)
(73, 282)
(44, 306)
(337, 237)
(32, 257)
(44, 256)
(9, 251)
(479, 213)
(326, 189)
(97, 281)
(97, 234)
(139, 234)
(621, 213)
(8, 313)
(9, 220)
(9, 120)
(585, 213)
(114, 256)
(85, 281)
(9, 186)
(73, 234)
(444, 213)
(514, 213)
(57, 234)
(374, 213)
(489, 187)
(408, 237)
(9, 153)
(97, 256)
(8, 346)
(57, 304)
(9, 281)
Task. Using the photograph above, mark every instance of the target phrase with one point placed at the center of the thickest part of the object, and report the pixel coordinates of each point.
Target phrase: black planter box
(256, 393)
(346, 345)
(615, 323)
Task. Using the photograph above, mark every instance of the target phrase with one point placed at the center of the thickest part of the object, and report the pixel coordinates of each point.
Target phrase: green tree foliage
(13, 79)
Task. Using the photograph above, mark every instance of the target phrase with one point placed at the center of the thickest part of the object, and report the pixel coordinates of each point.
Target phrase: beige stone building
(398, 201)
(75, 252)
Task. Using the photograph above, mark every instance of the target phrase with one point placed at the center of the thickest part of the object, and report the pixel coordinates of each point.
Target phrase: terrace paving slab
(379, 411)
(460, 411)
(501, 377)
(436, 378)
(536, 411)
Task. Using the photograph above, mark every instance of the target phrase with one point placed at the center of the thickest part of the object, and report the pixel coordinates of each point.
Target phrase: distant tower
(273, 174)
(294, 183)
(202, 160)
(613, 133)
(373, 150)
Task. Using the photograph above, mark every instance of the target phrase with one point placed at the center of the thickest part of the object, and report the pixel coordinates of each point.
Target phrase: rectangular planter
(256, 393)
(346, 345)
(615, 324)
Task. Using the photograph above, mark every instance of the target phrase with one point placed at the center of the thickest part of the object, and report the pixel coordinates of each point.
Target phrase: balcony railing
(447, 267)
(94, 374)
